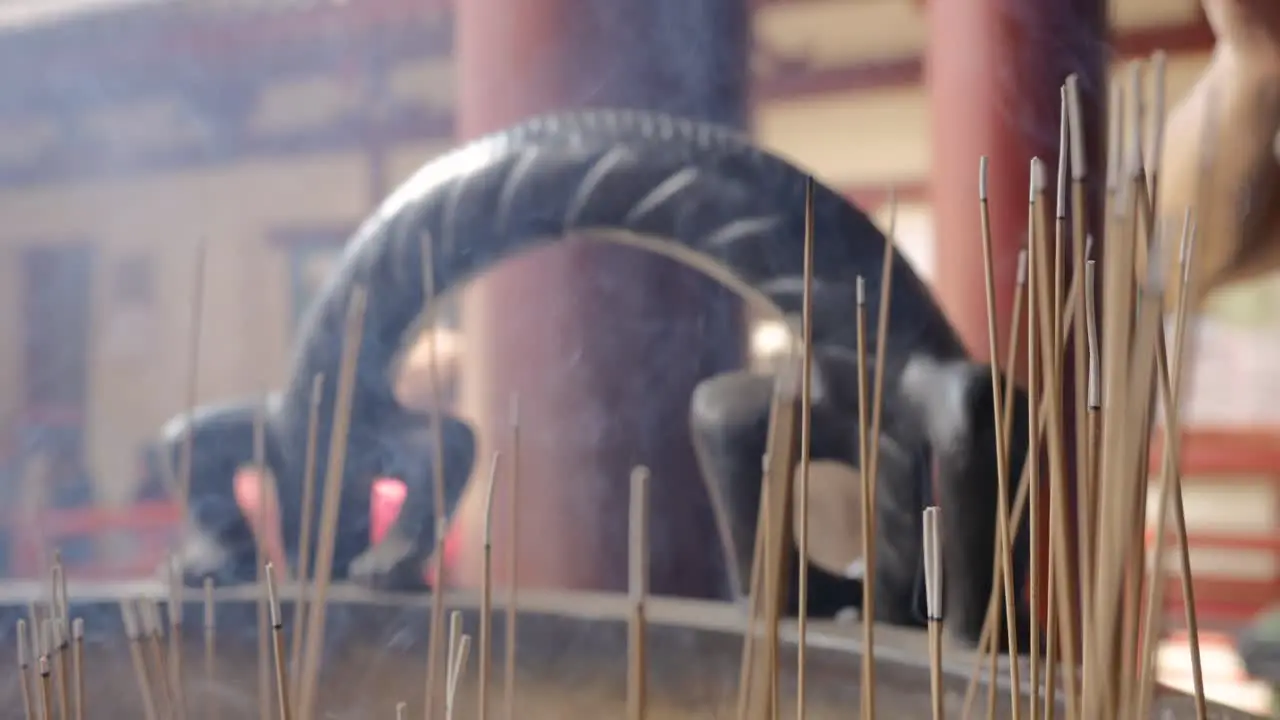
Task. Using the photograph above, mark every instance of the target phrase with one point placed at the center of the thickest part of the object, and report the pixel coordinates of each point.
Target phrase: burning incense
(638, 590)
(486, 594)
(933, 601)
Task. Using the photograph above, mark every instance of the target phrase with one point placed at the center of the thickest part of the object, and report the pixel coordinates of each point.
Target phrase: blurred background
(130, 130)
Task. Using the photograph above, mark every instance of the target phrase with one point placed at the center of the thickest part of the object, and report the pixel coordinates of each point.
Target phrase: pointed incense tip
(860, 286)
(1022, 267)
(982, 178)
(77, 629)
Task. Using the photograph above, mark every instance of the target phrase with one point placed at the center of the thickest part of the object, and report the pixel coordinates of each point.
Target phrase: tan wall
(246, 309)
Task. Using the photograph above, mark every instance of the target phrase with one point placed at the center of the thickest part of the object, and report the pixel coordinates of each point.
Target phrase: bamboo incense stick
(1004, 541)
(151, 628)
(24, 671)
(304, 533)
(986, 645)
(261, 558)
(77, 667)
(130, 619)
(193, 377)
(427, 251)
(872, 463)
(513, 563)
(1034, 408)
(806, 423)
(638, 589)
(62, 675)
(177, 679)
(1169, 372)
(864, 451)
(455, 637)
(457, 666)
(486, 595)
(353, 331)
(277, 643)
(1050, 369)
(210, 646)
(46, 688)
(933, 601)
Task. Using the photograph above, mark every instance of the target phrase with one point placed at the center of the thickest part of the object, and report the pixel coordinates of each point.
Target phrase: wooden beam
(796, 77)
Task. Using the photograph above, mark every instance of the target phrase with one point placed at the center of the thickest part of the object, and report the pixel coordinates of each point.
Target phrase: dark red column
(994, 69)
(603, 345)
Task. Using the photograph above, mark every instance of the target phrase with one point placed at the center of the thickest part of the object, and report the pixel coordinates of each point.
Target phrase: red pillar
(595, 340)
(994, 69)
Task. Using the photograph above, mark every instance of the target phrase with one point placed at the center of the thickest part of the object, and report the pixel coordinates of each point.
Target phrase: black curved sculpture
(701, 192)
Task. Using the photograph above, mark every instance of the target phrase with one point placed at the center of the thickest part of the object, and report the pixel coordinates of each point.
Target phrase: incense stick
(261, 558)
(864, 441)
(872, 464)
(46, 688)
(130, 619)
(486, 595)
(457, 665)
(806, 423)
(1034, 409)
(177, 679)
(933, 602)
(277, 638)
(1004, 541)
(352, 333)
(210, 644)
(304, 534)
(24, 671)
(193, 379)
(513, 560)
(427, 250)
(638, 589)
(151, 628)
(77, 667)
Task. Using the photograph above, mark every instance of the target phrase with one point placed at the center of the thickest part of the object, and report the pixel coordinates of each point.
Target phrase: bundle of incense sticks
(1099, 644)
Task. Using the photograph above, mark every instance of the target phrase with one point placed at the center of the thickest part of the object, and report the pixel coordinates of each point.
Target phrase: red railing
(1226, 457)
(144, 531)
